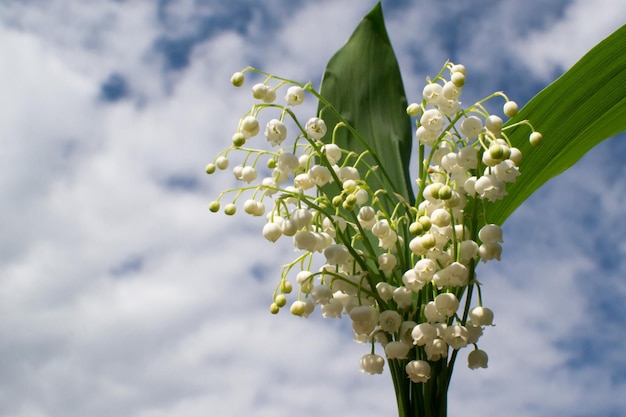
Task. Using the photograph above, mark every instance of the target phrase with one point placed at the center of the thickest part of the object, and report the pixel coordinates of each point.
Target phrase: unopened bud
(237, 79)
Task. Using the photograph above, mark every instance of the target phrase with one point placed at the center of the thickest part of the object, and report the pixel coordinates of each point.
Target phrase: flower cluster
(398, 269)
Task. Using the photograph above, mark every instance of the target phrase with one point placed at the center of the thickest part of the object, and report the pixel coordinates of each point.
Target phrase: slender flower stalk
(403, 272)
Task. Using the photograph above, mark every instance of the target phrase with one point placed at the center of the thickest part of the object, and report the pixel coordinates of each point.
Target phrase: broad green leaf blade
(583, 107)
(362, 82)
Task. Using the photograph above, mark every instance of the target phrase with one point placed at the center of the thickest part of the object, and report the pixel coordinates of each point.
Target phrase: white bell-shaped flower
(432, 92)
(403, 297)
(332, 152)
(305, 240)
(490, 187)
(272, 231)
(249, 127)
(336, 254)
(288, 162)
(332, 309)
(423, 333)
(372, 364)
(418, 371)
(385, 290)
(490, 233)
(390, 321)
(432, 120)
(316, 128)
(506, 171)
(413, 281)
(321, 294)
(320, 175)
(471, 127)
(386, 262)
(481, 316)
(477, 359)
(294, 96)
(436, 350)
(397, 350)
(447, 304)
(432, 314)
(489, 251)
(456, 336)
(275, 132)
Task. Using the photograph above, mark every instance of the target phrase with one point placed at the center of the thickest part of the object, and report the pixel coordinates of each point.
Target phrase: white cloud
(122, 295)
(556, 47)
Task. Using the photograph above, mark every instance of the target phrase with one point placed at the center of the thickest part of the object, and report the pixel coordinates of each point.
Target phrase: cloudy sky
(121, 295)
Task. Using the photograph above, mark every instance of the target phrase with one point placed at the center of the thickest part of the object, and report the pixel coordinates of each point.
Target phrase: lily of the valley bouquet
(390, 243)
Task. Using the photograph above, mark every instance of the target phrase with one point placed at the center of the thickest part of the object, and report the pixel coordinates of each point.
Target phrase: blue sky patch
(114, 88)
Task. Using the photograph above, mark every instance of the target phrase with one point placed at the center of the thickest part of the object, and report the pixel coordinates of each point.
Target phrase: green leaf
(362, 82)
(583, 107)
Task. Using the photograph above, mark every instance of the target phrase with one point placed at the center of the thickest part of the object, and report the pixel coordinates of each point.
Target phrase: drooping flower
(295, 95)
(418, 371)
(275, 132)
(489, 187)
(456, 336)
(432, 120)
(372, 364)
(447, 304)
(481, 316)
(390, 321)
(316, 128)
(397, 350)
(423, 333)
(249, 126)
(477, 359)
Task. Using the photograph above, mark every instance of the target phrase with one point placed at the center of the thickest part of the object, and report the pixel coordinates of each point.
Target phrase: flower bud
(413, 109)
(270, 97)
(237, 79)
(445, 192)
(230, 209)
(210, 168)
(496, 152)
(222, 162)
(239, 139)
(416, 228)
(425, 222)
(214, 207)
(494, 124)
(259, 91)
(428, 241)
(458, 68)
(458, 79)
(510, 109)
(535, 138)
(298, 308)
(280, 300)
